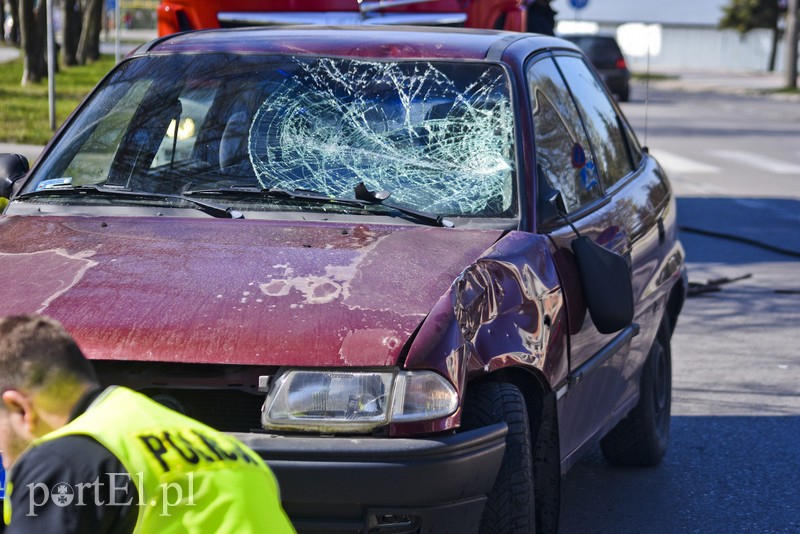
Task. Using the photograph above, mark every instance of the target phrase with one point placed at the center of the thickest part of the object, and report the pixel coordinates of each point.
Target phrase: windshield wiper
(211, 209)
(275, 192)
(379, 197)
(361, 200)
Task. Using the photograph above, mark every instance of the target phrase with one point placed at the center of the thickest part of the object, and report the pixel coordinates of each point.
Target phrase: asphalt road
(734, 455)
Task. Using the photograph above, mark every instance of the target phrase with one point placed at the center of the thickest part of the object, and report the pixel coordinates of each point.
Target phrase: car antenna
(647, 91)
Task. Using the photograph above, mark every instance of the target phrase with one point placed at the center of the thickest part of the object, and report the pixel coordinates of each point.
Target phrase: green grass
(652, 76)
(24, 115)
(787, 91)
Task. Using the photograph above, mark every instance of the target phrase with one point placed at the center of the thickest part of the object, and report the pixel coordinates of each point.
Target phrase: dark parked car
(604, 53)
(405, 265)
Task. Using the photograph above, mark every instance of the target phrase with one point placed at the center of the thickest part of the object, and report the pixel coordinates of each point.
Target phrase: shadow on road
(739, 230)
(721, 474)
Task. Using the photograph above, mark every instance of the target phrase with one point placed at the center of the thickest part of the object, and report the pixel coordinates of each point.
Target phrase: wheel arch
(675, 300)
(540, 402)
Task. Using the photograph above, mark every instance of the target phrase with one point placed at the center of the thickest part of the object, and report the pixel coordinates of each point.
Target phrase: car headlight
(355, 401)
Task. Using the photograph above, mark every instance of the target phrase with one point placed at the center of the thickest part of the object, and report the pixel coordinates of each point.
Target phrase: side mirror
(607, 285)
(605, 275)
(12, 168)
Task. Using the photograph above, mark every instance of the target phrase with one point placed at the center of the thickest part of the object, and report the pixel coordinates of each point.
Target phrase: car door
(586, 150)
(637, 203)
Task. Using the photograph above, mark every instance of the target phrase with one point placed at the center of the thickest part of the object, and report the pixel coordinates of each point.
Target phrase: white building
(679, 34)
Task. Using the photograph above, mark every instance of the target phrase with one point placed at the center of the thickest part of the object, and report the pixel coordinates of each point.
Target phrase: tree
(89, 43)
(83, 23)
(33, 40)
(13, 38)
(746, 15)
(72, 20)
(791, 44)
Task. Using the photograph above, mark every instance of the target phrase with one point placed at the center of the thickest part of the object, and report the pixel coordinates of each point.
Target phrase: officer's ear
(21, 411)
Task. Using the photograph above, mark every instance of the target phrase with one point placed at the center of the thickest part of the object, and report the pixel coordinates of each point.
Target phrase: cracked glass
(439, 137)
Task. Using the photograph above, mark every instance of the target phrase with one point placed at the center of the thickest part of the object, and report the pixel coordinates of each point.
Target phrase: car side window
(605, 128)
(563, 154)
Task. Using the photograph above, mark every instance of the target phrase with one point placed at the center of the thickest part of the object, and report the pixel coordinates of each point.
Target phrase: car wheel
(510, 504)
(624, 95)
(641, 438)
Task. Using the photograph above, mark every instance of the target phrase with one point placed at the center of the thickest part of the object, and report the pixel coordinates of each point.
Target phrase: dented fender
(504, 310)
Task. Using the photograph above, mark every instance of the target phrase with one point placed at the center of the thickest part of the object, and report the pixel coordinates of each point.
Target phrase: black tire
(624, 95)
(510, 505)
(640, 440)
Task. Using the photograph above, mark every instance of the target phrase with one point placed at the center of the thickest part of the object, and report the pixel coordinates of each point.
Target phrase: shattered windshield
(437, 135)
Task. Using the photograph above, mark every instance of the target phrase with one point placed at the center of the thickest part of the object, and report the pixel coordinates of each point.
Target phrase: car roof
(353, 41)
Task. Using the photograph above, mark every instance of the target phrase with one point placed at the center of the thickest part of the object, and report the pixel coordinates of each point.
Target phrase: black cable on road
(740, 239)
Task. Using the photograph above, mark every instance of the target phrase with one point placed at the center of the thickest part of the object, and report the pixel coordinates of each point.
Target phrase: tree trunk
(33, 32)
(14, 37)
(791, 44)
(89, 44)
(72, 32)
(773, 52)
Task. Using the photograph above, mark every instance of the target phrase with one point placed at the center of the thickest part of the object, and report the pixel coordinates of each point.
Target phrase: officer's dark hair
(37, 353)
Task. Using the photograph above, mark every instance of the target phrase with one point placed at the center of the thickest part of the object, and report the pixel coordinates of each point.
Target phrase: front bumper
(377, 485)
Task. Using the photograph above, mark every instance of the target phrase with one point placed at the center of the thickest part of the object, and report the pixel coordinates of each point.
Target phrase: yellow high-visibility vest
(189, 476)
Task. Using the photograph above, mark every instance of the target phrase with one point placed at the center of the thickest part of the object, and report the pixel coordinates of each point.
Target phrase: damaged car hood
(234, 292)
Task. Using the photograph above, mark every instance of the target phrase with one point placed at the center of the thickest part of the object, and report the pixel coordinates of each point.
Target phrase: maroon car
(419, 271)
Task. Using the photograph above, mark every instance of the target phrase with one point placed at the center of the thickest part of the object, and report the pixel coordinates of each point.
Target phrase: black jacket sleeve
(71, 484)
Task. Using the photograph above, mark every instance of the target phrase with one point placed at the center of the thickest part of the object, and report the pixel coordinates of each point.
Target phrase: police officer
(85, 459)
(541, 17)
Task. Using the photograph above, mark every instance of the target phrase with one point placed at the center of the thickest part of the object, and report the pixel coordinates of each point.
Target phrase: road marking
(674, 163)
(758, 161)
(685, 186)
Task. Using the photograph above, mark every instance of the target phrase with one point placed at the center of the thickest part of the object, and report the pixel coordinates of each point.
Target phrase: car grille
(226, 410)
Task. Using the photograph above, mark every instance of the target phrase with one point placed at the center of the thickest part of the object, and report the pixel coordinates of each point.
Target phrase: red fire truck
(181, 15)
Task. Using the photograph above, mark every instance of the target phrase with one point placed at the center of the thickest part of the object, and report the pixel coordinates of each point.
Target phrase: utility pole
(791, 45)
